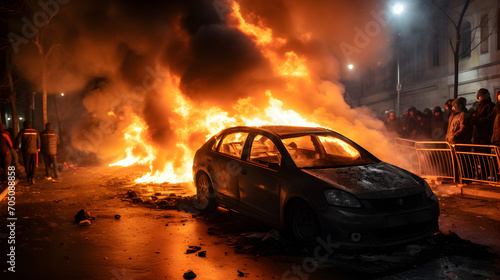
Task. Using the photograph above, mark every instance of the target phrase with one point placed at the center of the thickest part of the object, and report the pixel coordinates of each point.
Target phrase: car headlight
(428, 190)
(341, 198)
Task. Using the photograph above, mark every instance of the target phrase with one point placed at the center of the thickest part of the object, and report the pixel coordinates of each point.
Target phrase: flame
(294, 66)
(192, 120)
(261, 35)
(210, 122)
(347, 148)
(134, 135)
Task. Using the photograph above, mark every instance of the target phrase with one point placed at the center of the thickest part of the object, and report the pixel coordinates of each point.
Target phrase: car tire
(304, 224)
(205, 198)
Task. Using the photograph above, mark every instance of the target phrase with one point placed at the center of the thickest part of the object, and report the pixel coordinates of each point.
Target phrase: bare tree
(455, 48)
(458, 47)
(45, 48)
(9, 82)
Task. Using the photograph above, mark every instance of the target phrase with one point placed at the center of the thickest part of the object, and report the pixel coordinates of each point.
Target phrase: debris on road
(131, 194)
(189, 275)
(193, 249)
(202, 254)
(82, 215)
(117, 216)
(241, 274)
(274, 234)
(85, 223)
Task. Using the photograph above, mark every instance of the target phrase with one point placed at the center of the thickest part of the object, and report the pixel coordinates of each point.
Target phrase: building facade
(426, 65)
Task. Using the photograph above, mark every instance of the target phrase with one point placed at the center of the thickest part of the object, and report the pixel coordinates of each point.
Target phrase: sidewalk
(480, 191)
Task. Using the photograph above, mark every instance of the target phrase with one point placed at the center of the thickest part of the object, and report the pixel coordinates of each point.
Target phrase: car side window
(232, 144)
(336, 147)
(264, 152)
(216, 142)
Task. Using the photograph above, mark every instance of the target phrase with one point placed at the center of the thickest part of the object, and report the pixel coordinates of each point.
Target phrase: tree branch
(444, 13)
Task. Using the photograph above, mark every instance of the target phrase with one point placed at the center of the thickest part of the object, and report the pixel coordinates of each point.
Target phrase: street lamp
(398, 9)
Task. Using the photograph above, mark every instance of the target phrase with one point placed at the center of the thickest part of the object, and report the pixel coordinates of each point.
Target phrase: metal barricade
(477, 163)
(458, 162)
(436, 159)
(407, 148)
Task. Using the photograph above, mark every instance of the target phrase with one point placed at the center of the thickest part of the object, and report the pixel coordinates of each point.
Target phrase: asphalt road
(151, 239)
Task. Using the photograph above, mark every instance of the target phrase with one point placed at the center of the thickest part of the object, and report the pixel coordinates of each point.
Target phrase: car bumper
(350, 227)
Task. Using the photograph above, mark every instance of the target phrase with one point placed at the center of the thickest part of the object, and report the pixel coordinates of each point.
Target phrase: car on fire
(313, 182)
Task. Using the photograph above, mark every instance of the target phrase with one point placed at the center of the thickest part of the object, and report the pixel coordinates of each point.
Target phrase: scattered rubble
(85, 223)
(82, 215)
(189, 275)
(193, 249)
(202, 254)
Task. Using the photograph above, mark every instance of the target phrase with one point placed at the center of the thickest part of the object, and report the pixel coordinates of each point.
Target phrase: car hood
(380, 177)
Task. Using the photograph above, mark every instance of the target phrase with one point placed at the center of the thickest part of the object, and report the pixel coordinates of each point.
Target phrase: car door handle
(244, 171)
(209, 159)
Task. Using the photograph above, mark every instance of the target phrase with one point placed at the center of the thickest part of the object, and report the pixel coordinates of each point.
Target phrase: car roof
(282, 130)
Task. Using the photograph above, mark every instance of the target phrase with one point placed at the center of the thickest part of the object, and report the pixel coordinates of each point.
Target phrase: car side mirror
(274, 165)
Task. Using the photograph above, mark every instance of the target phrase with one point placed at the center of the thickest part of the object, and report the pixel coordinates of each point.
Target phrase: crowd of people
(29, 142)
(454, 124)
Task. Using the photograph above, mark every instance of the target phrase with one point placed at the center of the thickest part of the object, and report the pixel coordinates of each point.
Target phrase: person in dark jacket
(495, 137)
(5, 154)
(50, 140)
(30, 146)
(447, 111)
(438, 125)
(427, 117)
(459, 127)
(418, 132)
(483, 119)
(393, 125)
(410, 123)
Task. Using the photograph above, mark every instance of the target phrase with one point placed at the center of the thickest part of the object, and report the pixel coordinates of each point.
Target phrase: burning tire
(205, 195)
(303, 224)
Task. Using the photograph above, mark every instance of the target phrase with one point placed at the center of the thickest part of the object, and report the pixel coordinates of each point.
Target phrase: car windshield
(325, 151)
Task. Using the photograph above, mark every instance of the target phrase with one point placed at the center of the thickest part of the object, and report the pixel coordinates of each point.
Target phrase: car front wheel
(205, 196)
(304, 224)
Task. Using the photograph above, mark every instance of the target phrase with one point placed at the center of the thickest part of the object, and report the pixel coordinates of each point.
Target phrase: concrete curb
(4, 193)
(481, 192)
(471, 190)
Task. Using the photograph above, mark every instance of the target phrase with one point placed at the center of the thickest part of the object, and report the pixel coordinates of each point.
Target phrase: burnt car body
(313, 182)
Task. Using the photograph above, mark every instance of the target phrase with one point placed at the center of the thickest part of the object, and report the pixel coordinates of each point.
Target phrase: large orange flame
(193, 120)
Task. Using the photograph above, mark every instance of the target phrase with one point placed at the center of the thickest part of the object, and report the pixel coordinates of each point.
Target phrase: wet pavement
(152, 232)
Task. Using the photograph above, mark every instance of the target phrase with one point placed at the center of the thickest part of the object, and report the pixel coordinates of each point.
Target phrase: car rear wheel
(205, 196)
(304, 224)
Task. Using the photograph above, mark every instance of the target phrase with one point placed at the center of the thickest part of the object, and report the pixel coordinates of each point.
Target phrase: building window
(485, 33)
(435, 50)
(465, 46)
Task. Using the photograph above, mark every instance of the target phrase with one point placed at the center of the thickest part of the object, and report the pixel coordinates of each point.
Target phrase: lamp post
(349, 89)
(398, 89)
(397, 10)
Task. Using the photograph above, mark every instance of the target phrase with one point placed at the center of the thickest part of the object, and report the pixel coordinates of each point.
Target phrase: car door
(260, 182)
(226, 165)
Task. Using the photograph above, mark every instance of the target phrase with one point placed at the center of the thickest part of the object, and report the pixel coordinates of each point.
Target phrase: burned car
(313, 182)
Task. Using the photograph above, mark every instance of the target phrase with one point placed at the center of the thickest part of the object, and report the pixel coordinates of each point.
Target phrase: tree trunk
(456, 61)
(12, 95)
(44, 95)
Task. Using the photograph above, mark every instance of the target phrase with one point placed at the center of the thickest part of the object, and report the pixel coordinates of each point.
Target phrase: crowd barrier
(460, 163)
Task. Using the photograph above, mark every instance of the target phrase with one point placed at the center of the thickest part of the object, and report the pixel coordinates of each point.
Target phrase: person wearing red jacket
(5, 148)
